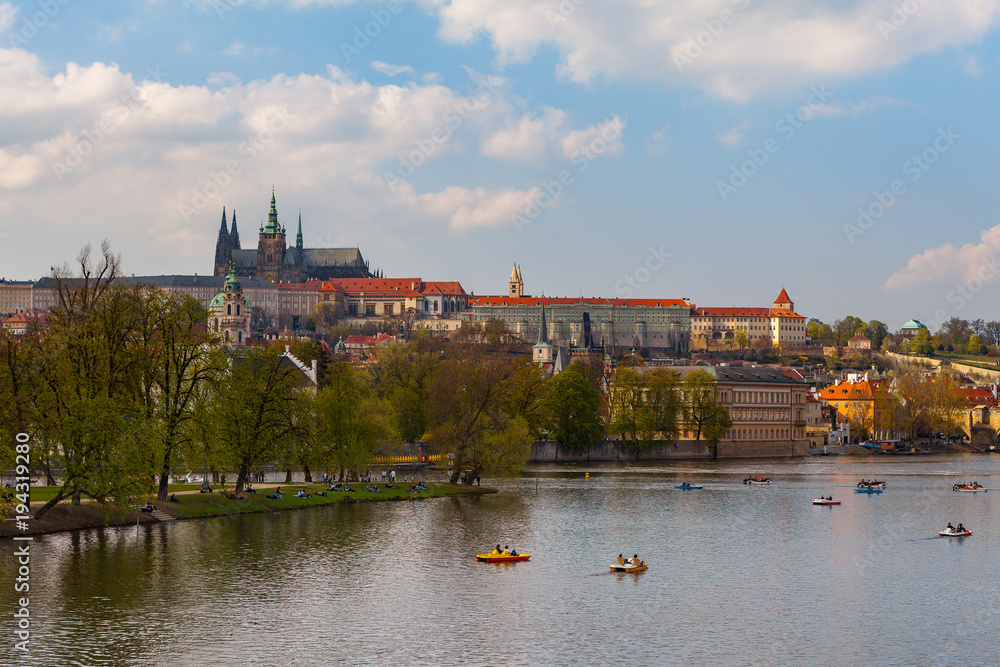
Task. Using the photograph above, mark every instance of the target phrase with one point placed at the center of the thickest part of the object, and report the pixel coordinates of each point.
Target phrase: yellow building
(779, 325)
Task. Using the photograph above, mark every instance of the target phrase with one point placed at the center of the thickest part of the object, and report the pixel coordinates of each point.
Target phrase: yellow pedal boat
(501, 558)
(625, 567)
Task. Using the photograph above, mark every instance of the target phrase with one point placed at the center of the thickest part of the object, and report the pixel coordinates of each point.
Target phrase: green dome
(913, 324)
(219, 300)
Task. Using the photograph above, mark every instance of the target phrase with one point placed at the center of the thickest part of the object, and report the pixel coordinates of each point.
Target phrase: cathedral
(275, 261)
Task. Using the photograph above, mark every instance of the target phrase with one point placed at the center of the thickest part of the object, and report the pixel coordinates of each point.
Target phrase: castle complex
(276, 262)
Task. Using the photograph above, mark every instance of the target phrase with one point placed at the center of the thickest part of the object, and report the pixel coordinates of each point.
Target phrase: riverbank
(194, 505)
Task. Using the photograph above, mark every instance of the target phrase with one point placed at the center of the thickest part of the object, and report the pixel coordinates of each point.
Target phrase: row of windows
(763, 433)
(747, 414)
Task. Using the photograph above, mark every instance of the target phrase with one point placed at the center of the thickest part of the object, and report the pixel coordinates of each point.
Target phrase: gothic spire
(234, 233)
(298, 237)
(543, 336)
(272, 226)
(223, 231)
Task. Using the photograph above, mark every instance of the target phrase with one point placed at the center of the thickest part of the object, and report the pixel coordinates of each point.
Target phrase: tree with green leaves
(400, 374)
(629, 416)
(702, 413)
(921, 343)
(469, 410)
(85, 398)
(572, 411)
(877, 331)
(252, 409)
(353, 424)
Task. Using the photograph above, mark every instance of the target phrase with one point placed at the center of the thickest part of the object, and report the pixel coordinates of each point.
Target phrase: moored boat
(757, 480)
(825, 501)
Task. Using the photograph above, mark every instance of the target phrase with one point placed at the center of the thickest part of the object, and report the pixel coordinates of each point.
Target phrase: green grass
(43, 494)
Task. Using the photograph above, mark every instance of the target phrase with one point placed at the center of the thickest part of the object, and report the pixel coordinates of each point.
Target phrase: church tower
(516, 284)
(229, 312)
(542, 352)
(271, 246)
(783, 302)
(224, 247)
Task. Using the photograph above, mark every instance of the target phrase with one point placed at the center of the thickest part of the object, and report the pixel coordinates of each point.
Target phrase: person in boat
(621, 561)
(829, 497)
(506, 551)
(961, 528)
(513, 552)
(951, 527)
(496, 551)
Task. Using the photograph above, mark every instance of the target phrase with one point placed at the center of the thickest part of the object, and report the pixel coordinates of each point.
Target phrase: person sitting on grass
(205, 488)
(173, 498)
(250, 489)
(391, 486)
(321, 493)
(420, 486)
(349, 489)
(335, 487)
(149, 507)
(375, 489)
(301, 494)
(276, 494)
(413, 489)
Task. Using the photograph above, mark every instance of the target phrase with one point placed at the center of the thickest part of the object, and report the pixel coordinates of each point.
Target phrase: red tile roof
(744, 312)
(783, 297)
(562, 301)
(979, 396)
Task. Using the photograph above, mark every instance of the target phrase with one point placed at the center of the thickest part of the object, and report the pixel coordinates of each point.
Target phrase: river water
(742, 575)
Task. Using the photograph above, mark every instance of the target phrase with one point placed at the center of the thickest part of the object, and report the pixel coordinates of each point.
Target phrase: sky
(716, 150)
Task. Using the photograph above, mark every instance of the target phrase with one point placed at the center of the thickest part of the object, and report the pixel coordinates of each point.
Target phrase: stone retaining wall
(547, 451)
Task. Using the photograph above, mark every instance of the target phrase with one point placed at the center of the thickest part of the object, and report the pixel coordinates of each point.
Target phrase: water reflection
(738, 575)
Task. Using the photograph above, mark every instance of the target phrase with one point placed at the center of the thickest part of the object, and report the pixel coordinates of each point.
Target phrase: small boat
(825, 501)
(688, 487)
(876, 483)
(868, 489)
(969, 488)
(950, 532)
(757, 480)
(502, 558)
(871, 445)
(618, 567)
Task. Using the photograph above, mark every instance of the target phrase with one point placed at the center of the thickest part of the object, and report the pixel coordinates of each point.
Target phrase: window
(369, 309)
(352, 309)
(387, 309)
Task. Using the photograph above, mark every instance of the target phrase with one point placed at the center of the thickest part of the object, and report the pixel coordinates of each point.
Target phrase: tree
(629, 416)
(702, 412)
(352, 422)
(877, 331)
(572, 411)
(252, 409)
(325, 316)
(742, 339)
(86, 401)
(664, 402)
(845, 329)
(921, 343)
(174, 358)
(400, 374)
(468, 409)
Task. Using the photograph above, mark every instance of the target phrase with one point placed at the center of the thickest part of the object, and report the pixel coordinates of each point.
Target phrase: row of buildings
(290, 287)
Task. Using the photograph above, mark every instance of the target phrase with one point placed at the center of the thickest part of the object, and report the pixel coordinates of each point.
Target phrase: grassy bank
(65, 516)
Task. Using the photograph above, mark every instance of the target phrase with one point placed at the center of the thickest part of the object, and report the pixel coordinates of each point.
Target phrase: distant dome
(914, 324)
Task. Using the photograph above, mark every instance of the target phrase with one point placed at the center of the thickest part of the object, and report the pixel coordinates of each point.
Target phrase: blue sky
(755, 143)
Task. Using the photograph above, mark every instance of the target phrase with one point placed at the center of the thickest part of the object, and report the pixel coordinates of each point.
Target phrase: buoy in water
(586, 475)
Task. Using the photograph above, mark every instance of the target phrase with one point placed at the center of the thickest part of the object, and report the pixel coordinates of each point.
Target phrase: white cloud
(7, 14)
(968, 263)
(170, 156)
(972, 67)
(468, 209)
(766, 44)
(827, 110)
(234, 49)
(391, 70)
(529, 140)
(730, 138)
(605, 137)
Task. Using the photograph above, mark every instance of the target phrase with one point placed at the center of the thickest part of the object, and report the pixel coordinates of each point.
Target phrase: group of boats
(969, 488)
(498, 555)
